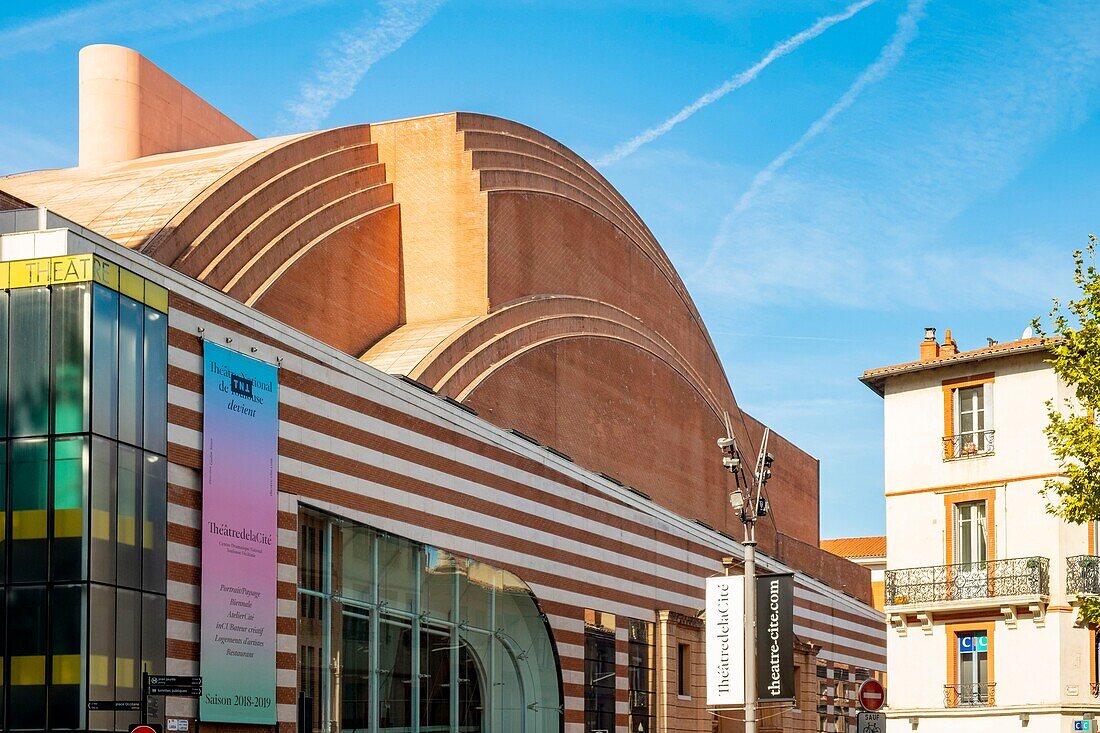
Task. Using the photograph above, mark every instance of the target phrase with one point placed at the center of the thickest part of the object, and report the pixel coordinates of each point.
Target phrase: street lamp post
(748, 499)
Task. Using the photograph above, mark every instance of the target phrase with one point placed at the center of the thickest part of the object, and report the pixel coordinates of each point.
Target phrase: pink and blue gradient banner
(240, 436)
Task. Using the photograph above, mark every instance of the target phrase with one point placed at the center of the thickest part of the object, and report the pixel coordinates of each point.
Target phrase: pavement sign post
(870, 723)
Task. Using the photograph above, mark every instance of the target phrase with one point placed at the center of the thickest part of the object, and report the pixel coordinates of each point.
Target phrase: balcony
(1016, 583)
(1083, 575)
(968, 445)
(969, 695)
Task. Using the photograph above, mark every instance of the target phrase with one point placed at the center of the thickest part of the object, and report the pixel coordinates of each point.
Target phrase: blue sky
(921, 162)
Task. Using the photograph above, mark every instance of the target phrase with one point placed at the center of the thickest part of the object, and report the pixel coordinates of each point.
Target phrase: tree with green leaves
(1072, 428)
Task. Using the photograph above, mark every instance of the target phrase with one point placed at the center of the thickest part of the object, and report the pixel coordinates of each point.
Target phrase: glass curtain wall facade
(398, 637)
(83, 488)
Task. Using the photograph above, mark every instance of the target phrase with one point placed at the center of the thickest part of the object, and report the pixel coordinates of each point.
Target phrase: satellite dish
(1028, 333)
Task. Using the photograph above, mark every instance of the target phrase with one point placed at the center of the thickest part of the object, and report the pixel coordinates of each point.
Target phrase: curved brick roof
(472, 253)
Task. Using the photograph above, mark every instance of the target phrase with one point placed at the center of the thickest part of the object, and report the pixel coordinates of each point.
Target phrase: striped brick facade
(371, 448)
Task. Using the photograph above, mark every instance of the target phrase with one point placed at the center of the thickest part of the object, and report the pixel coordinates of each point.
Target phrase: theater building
(394, 427)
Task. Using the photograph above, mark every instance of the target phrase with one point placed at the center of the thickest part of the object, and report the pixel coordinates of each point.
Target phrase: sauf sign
(725, 636)
(725, 614)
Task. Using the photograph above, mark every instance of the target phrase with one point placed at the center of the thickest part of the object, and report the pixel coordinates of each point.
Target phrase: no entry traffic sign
(871, 695)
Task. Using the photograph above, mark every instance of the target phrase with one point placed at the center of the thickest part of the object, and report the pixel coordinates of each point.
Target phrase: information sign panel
(239, 528)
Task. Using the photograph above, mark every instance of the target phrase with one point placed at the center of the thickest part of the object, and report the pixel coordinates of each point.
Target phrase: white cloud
(343, 64)
(860, 220)
(96, 21)
(736, 82)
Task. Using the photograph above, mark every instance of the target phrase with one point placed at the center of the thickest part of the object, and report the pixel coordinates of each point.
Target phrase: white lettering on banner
(725, 648)
(775, 685)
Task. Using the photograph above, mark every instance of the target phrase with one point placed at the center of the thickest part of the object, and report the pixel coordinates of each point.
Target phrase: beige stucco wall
(1041, 666)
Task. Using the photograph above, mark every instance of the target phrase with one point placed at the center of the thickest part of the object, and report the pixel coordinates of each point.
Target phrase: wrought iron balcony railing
(1021, 576)
(979, 694)
(968, 445)
(1083, 575)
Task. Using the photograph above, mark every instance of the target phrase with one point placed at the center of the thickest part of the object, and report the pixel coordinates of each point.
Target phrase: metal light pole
(748, 499)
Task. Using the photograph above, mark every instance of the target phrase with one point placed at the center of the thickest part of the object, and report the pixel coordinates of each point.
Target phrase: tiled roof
(856, 546)
(873, 378)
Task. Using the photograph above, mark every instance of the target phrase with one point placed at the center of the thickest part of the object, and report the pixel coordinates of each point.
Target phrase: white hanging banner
(725, 615)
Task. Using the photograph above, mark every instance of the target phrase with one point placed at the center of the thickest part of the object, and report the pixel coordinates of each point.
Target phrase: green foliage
(1088, 612)
(1072, 430)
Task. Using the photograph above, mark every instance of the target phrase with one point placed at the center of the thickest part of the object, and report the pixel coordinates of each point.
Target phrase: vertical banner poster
(725, 616)
(240, 437)
(775, 637)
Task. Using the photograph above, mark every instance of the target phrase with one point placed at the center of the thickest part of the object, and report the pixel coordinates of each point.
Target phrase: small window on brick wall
(683, 670)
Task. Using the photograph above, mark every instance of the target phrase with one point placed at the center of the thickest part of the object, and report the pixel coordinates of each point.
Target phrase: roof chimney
(949, 347)
(929, 348)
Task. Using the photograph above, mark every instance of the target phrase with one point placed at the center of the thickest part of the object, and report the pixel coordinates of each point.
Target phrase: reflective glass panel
(397, 572)
(437, 587)
(355, 563)
(29, 362)
(101, 655)
(355, 669)
(29, 472)
(27, 633)
(70, 487)
(394, 675)
(105, 361)
(435, 679)
(66, 703)
(131, 347)
(3, 364)
(154, 508)
(104, 485)
(127, 527)
(71, 332)
(127, 652)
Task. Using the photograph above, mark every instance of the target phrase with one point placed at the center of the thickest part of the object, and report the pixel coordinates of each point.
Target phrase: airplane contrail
(883, 65)
(779, 50)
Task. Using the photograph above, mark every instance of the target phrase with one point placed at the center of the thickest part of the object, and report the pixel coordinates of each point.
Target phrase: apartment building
(981, 581)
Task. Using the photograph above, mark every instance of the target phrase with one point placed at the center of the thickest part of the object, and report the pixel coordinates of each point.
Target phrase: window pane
(131, 348)
(105, 361)
(127, 652)
(3, 364)
(104, 484)
(71, 331)
(67, 606)
(355, 672)
(394, 675)
(312, 559)
(3, 529)
(397, 576)
(153, 632)
(154, 527)
(354, 563)
(438, 584)
(471, 700)
(27, 628)
(101, 655)
(29, 367)
(70, 486)
(435, 679)
(156, 381)
(311, 656)
(128, 530)
(29, 471)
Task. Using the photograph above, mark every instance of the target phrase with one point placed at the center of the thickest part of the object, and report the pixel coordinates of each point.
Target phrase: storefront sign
(239, 530)
(775, 637)
(725, 615)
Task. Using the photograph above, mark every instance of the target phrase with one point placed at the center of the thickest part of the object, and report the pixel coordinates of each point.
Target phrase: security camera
(769, 459)
(731, 462)
(726, 443)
